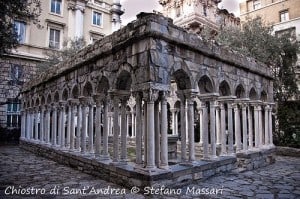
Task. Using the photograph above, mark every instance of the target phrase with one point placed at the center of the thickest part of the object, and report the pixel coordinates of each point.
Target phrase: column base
(165, 167)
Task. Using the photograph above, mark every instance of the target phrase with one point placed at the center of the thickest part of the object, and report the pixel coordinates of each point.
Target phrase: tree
(25, 10)
(278, 51)
(70, 48)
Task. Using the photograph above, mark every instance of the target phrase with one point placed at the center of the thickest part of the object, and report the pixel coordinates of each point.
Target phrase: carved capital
(150, 95)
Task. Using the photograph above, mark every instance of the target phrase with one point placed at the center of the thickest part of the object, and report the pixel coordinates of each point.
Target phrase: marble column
(183, 127)
(42, 122)
(91, 126)
(260, 126)
(164, 133)
(98, 100)
(105, 154)
(245, 128)
(54, 125)
(72, 107)
(23, 124)
(204, 127)
(63, 131)
(116, 130)
(27, 133)
(79, 123)
(190, 117)
(256, 125)
(237, 128)
(84, 103)
(47, 129)
(157, 133)
(176, 122)
(223, 129)
(124, 124)
(150, 162)
(267, 137)
(69, 125)
(218, 125)
(270, 127)
(132, 124)
(230, 128)
(36, 124)
(173, 121)
(59, 128)
(127, 124)
(200, 112)
(213, 128)
(250, 127)
(138, 138)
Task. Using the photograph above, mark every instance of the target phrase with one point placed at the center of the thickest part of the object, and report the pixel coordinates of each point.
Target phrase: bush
(287, 131)
(9, 135)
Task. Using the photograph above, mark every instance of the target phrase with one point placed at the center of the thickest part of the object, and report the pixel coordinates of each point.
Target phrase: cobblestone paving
(21, 170)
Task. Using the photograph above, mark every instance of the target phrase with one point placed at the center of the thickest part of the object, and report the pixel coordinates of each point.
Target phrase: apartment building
(284, 15)
(197, 15)
(60, 20)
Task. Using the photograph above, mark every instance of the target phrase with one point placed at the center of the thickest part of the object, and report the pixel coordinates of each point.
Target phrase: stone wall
(128, 176)
(10, 82)
(255, 159)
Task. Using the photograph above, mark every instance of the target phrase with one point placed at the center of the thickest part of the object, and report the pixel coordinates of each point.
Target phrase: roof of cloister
(149, 25)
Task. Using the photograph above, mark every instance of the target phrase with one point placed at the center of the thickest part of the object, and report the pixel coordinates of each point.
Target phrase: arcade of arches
(148, 82)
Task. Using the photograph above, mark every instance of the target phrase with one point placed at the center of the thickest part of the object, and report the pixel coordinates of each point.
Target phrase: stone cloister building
(81, 108)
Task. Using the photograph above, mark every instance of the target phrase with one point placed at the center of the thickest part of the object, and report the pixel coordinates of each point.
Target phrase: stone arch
(49, 98)
(32, 103)
(123, 81)
(37, 101)
(263, 96)
(103, 85)
(43, 101)
(253, 94)
(177, 104)
(224, 88)
(56, 97)
(75, 92)
(240, 91)
(87, 90)
(182, 79)
(205, 85)
(65, 95)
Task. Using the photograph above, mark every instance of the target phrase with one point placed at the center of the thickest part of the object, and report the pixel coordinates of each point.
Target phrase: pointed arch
(205, 85)
(240, 91)
(182, 79)
(253, 94)
(124, 81)
(88, 89)
(224, 88)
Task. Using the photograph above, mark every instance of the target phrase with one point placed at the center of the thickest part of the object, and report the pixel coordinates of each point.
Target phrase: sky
(133, 7)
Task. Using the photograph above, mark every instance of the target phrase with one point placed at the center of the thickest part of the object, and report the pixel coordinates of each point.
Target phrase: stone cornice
(150, 26)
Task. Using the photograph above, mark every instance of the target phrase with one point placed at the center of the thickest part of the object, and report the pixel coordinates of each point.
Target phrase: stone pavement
(25, 175)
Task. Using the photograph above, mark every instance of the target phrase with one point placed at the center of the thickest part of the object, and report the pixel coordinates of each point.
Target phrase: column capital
(73, 102)
(62, 103)
(99, 98)
(150, 95)
(85, 101)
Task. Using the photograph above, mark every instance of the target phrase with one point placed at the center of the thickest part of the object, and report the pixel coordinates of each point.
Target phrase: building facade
(284, 15)
(60, 21)
(197, 15)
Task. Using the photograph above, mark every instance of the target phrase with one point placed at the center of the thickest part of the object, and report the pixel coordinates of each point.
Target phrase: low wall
(128, 175)
(255, 159)
(287, 151)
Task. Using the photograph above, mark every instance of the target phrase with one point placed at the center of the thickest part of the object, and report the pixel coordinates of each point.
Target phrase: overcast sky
(133, 7)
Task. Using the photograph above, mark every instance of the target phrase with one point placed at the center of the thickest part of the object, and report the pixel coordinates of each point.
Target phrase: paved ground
(24, 175)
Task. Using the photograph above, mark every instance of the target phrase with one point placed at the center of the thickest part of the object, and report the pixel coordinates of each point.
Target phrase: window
(16, 74)
(13, 113)
(54, 39)
(20, 28)
(256, 4)
(284, 15)
(97, 18)
(56, 6)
